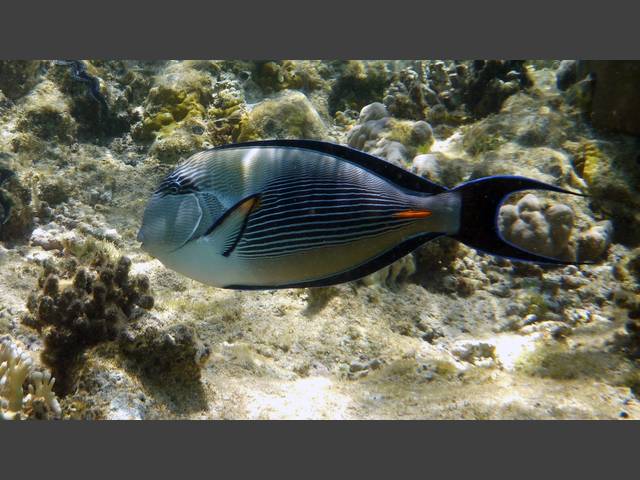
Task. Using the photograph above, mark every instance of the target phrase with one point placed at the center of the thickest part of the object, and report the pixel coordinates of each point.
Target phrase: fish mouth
(140, 237)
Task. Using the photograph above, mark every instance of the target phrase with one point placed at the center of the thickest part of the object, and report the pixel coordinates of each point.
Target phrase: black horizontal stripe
(298, 180)
(321, 190)
(325, 204)
(309, 209)
(344, 196)
(325, 235)
(316, 220)
(290, 248)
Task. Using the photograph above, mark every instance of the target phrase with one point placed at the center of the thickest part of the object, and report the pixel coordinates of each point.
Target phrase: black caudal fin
(481, 200)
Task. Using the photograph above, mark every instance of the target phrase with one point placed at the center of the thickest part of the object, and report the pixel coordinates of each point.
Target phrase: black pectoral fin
(232, 224)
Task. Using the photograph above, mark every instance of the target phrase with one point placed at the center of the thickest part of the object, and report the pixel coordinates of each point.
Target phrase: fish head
(170, 220)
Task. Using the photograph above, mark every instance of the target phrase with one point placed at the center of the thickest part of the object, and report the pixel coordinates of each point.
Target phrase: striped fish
(299, 213)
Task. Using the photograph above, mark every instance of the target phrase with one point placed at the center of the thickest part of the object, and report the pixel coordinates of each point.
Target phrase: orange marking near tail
(413, 214)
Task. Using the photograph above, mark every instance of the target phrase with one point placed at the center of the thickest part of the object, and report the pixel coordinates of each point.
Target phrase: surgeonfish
(300, 213)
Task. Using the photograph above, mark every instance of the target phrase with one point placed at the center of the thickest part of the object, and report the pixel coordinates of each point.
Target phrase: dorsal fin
(376, 165)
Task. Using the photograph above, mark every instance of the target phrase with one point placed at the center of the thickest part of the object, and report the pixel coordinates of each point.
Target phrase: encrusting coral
(16, 369)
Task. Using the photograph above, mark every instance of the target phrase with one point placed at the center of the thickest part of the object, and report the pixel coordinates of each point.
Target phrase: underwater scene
(319, 239)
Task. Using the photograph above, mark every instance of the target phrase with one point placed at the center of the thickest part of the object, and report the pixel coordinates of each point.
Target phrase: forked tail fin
(480, 204)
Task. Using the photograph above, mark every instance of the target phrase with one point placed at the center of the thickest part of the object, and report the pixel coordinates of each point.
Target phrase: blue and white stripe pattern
(307, 213)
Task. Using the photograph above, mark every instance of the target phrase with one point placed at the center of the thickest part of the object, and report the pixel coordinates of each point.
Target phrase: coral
(521, 121)
(440, 168)
(358, 84)
(173, 354)
(628, 340)
(174, 112)
(477, 144)
(537, 306)
(615, 104)
(628, 268)
(226, 113)
(288, 115)
(408, 96)
(395, 140)
(612, 176)
(587, 158)
(537, 228)
(492, 82)
(593, 243)
(179, 143)
(393, 274)
(566, 75)
(17, 369)
(435, 261)
(18, 77)
(473, 351)
(17, 214)
(102, 95)
(54, 192)
(274, 76)
(46, 115)
(78, 307)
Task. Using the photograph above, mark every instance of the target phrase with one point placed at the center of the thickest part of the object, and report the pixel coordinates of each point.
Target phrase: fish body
(287, 213)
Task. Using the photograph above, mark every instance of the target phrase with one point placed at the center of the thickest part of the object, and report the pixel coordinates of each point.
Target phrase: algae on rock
(288, 115)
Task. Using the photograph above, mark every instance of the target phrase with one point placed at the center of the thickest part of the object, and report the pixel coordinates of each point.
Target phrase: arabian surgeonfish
(300, 213)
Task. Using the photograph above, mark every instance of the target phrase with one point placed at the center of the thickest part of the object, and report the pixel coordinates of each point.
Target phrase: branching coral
(78, 307)
(16, 369)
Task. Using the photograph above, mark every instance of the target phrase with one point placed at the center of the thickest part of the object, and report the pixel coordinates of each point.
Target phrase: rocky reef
(605, 90)
(445, 332)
